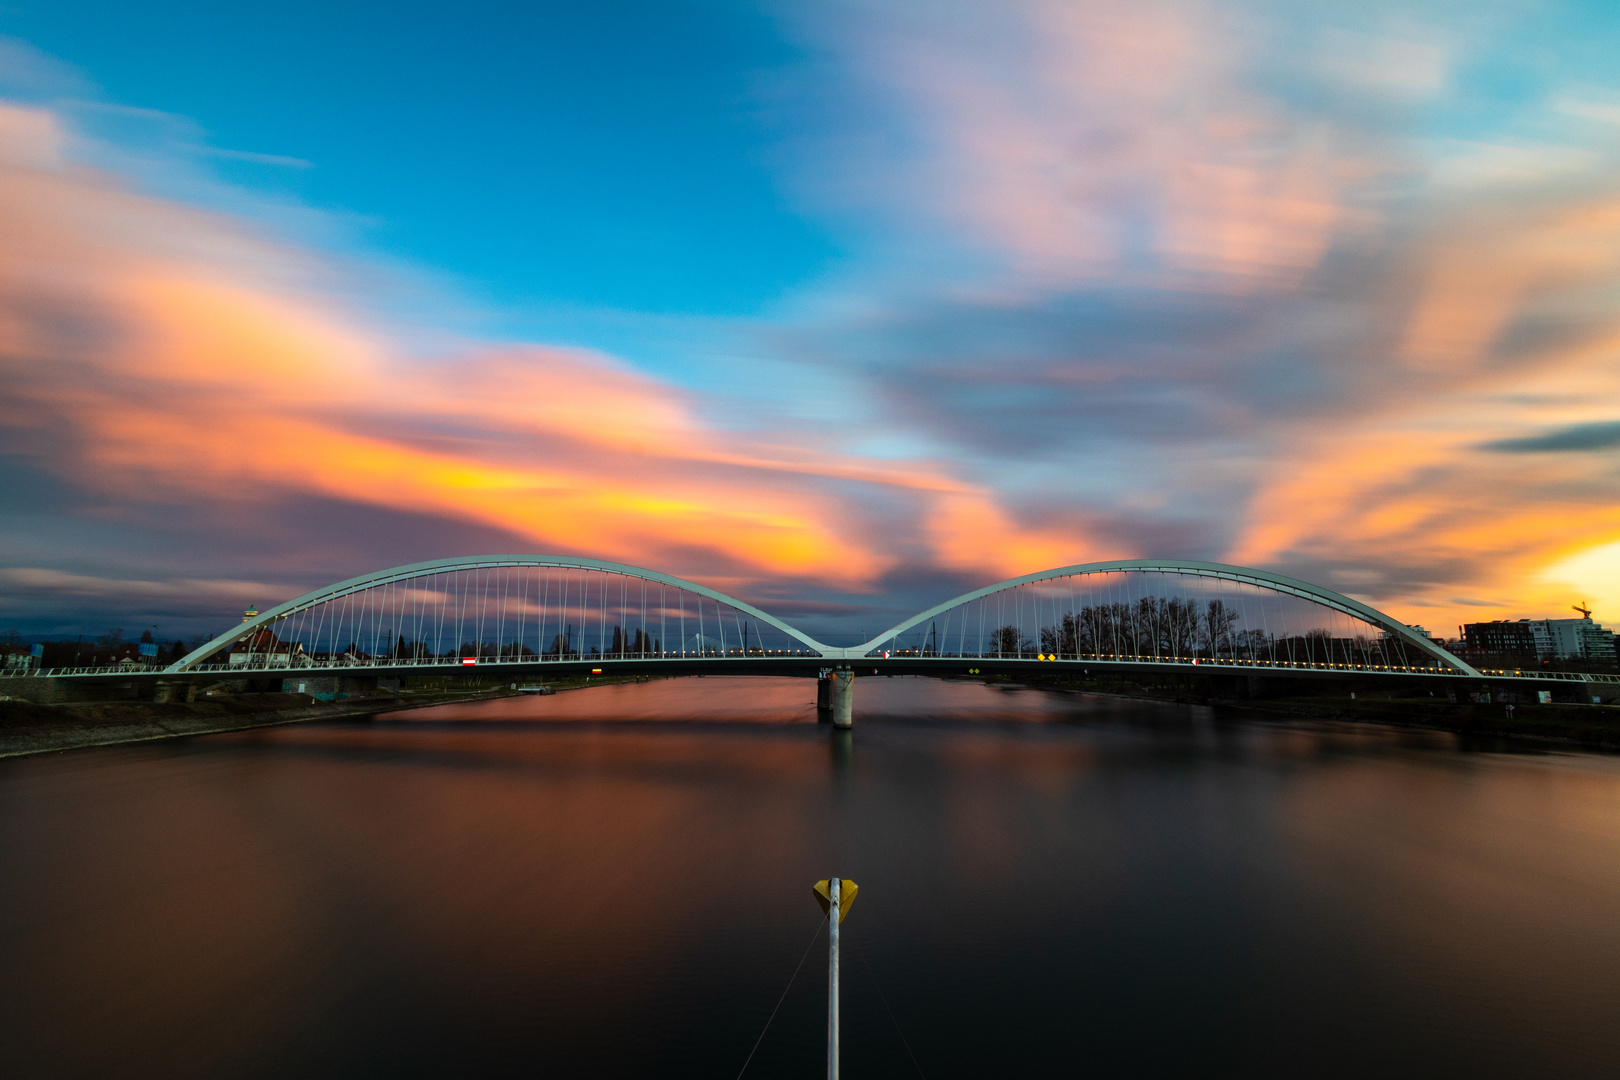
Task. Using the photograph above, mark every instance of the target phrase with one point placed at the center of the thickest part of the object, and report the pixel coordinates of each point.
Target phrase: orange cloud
(164, 352)
(1424, 478)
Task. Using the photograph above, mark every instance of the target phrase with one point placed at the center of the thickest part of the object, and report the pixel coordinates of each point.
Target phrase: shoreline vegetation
(28, 728)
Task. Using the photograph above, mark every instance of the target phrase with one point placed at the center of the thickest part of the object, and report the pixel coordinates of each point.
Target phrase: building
(1572, 639)
(262, 646)
(1499, 637)
(1598, 643)
(1542, 639)
(1423, 632)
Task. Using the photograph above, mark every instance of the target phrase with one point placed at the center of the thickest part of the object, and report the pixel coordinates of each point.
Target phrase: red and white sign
(468, 661)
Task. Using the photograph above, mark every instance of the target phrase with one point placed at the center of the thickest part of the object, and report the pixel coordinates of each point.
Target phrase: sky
(842, 308)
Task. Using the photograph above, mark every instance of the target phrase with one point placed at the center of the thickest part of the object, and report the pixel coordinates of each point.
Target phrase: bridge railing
(1248, 663)
(306, 664)
(456, 663)
(104, 669)
(1556, 676)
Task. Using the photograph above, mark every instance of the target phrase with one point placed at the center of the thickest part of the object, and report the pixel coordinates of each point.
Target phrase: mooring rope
(903, 1040)
(783, 998)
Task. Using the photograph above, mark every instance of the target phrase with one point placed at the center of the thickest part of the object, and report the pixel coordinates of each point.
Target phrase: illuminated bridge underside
(527, 614)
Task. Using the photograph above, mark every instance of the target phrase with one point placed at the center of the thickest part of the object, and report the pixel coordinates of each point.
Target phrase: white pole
(833, 887)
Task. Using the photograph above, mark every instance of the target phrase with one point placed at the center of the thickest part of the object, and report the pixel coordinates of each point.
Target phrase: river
(616, 882)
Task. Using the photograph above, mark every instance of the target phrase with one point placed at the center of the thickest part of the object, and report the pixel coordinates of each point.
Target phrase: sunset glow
(1096, 281)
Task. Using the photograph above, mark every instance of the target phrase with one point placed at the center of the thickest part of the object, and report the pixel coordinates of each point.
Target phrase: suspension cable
(903, 1040)
(783, 998)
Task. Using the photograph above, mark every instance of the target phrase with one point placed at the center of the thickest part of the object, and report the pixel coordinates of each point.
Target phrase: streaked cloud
(1234, 280)
(58, 583)
(1227, 295)
(1599, 436)
(158, 354)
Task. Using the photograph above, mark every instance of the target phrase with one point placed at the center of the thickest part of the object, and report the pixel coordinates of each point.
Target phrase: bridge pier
(167, 690)
(842, 691)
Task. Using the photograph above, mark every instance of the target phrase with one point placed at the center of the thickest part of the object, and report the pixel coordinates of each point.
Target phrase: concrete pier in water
(835, 697)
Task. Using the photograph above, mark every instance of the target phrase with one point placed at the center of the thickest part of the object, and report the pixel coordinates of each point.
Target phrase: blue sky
(905, 296)
(600, 155)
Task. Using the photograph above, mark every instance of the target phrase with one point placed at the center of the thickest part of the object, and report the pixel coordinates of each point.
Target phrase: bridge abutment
(172, 690)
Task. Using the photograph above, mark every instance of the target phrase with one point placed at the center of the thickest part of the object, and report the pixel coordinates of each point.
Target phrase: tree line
(1174, 627)
(112, 647)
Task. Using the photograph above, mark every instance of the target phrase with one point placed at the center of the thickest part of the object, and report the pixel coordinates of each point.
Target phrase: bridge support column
(166, 690)
(1595, 692)
(843, 698)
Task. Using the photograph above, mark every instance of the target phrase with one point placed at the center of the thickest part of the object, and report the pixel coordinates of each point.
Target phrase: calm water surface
(616, 882)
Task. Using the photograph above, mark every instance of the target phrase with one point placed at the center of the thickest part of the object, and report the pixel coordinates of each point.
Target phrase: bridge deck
(799, 664)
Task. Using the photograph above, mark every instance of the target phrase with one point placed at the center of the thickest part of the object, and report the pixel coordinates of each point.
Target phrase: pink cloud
(166, 356)
(1107, 138)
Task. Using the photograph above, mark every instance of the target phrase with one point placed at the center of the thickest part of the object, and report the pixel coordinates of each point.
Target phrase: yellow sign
(846, 896)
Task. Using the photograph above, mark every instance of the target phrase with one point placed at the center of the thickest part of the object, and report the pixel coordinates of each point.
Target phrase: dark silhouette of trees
(1219, 620)
(632, 643)
(563, 644)
(1009, 641)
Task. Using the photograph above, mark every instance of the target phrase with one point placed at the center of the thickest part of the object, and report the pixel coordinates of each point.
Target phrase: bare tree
(1008, 641)
(1219, 619)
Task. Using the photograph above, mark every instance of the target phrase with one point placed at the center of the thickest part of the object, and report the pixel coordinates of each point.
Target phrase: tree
(1008, 641)
(1219, 619)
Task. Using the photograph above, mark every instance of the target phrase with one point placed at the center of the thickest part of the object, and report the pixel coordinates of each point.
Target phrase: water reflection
(1050, 883)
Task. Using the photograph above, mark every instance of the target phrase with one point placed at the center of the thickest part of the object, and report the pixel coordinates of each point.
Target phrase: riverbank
(1588, 726)
(31, 728)
(28, 728)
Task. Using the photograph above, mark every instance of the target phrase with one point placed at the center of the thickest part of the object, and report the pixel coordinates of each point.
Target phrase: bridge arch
(1397, 645)
(362, 608)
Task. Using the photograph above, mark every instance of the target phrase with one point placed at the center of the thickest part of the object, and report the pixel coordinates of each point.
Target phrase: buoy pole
(834, 895)
(834, 888)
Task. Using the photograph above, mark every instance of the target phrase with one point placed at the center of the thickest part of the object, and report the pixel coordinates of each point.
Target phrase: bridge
(534, 616)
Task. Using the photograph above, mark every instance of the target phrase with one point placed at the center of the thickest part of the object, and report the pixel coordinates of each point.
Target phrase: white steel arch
(440, 566)
(1221, 571)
